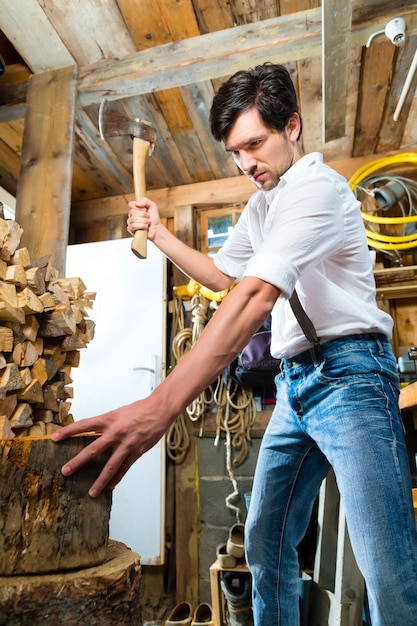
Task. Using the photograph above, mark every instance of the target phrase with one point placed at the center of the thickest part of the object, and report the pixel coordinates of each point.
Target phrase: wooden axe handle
(140, 153)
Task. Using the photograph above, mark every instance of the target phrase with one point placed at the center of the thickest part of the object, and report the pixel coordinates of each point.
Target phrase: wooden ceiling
(163, 60)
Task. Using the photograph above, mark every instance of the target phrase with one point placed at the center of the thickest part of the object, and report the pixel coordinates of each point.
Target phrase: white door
(122, 363)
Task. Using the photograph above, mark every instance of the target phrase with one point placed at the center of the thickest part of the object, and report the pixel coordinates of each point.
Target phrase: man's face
(262, 153)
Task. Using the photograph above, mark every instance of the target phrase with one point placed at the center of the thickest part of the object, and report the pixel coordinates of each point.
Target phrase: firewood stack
(43, 325)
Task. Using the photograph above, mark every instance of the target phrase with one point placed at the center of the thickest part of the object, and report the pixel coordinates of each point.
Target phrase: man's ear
(294, 127)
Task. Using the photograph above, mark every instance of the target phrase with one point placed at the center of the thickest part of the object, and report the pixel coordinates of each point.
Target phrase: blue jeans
(337, 408)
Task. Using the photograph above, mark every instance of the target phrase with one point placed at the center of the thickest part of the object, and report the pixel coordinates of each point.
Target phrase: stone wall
(215, 485)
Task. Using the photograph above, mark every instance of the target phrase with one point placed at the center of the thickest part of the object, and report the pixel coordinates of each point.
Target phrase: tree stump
(48, 522)
(105, 595)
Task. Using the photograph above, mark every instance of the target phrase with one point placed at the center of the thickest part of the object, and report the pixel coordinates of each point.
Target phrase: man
(336, 406)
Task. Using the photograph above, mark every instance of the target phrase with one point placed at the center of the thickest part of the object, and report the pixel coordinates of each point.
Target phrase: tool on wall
(114, 124)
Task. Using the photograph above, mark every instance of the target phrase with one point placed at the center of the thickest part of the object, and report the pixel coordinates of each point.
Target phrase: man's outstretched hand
(129, 432)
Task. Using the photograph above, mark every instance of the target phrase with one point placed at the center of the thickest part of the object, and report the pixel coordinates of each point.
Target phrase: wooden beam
(13, 101)
(237, 189)
(27, 26)
(44, 192)
(208, 56)
(283, 39)
(337, 23)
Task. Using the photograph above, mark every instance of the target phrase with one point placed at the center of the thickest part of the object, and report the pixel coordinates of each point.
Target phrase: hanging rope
(177, 437)
(199, 309)
(229, 465)
(177, 440)
(239, 421)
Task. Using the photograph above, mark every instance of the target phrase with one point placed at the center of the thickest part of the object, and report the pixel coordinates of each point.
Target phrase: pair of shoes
(181, 615)
(237, 590)
(203, 615)
(225, 560)
(235, 545)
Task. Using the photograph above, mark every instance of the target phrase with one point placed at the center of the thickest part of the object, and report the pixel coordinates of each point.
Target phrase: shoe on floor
(235, 545)
(225, 560)
(203, 615)
(237, 590)
(181, 615)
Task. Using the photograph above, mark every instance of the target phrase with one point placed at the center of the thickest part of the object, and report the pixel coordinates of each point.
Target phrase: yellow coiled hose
(378, 240)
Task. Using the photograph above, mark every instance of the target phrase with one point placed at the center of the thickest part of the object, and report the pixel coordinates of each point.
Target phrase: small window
(216, 225)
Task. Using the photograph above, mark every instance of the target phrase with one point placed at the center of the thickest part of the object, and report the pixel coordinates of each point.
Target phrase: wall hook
(394, 31)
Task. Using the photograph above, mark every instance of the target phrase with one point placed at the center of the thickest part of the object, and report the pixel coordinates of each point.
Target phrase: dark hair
(267, 87)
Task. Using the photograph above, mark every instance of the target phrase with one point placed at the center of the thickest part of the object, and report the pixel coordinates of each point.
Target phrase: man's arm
(135, 428)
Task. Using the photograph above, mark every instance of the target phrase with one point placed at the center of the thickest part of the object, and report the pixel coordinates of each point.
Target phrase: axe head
(112, 123)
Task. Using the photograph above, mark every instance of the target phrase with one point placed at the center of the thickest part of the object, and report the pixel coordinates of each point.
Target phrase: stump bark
(105, 595)
(48, 522)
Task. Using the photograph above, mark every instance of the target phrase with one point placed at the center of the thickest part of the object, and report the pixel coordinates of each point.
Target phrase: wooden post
(43, 198)
(186, 491)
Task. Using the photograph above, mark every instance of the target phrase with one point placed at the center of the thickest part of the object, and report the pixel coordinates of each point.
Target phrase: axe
(115, 124)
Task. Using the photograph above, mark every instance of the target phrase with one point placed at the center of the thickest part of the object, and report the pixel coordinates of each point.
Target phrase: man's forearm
(193, 263)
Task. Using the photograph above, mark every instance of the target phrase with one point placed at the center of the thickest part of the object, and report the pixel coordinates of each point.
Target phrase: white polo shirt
(308, 234)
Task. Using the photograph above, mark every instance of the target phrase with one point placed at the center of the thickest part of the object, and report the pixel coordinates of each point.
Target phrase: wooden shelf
(408, 397)
(217, 599)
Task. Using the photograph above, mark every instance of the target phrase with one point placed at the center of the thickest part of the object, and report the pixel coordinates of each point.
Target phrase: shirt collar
(292, 173)
(301, 164)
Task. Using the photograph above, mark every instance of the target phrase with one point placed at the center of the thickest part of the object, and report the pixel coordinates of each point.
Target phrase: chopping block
(57, 564)
(49, 522)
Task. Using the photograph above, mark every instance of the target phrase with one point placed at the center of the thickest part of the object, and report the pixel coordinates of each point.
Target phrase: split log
(26, 376)
(74, 286)
(72, 357)
(47, 300)
(22, 416)
(5, 429)
(11, 314)
(16, 274)
(6, 339)
(29, 301)
(8, 293)
(35, 278)
(51, 273)
(25, 354)
(48, 521)
(32, 393)
(108, 594)
(10, 379)
(7, 406)
(10, 235)
(21, 257)
(64, 318)
(44, 369)
(30, 327)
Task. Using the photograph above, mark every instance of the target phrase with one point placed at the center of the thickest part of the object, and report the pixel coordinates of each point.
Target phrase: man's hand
(129, 431)
(143, 215)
